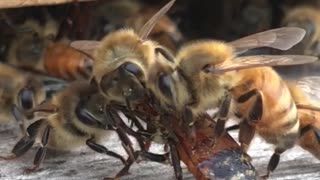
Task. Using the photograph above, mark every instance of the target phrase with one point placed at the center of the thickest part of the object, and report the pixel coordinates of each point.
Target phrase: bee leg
(223, 115)
(19, 117)
(26, 142)
(316, 132)
(125, 170)
(233, 127)
(274, 161)
(188, 116)
(246, 134)
(41, 153)
(175, 157)
(101, 149)
(121, 130)
(160, 158)
(126, 143)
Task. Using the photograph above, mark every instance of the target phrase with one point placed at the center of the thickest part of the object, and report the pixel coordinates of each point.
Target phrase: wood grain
(84, 164)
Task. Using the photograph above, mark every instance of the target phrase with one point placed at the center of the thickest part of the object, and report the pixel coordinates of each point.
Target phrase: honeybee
(35, 48)
(214, 76)
(308, 18)
(73, 118)
(123, 59)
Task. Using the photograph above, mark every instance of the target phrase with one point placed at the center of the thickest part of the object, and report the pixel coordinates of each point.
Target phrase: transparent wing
(86, 46)
(147, 28)
(311, 86)
(281, 38)
(246, 62)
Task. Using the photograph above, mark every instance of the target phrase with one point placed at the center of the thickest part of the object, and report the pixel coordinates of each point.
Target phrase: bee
(18, 88)
(214, 76)
(123, 59)
(35, 48)
(73, 118)
(308, 18)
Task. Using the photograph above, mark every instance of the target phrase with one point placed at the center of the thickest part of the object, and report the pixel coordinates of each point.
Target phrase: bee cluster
(136, 75)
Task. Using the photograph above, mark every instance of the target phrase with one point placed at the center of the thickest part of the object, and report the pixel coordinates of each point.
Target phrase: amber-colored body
(61, 60)
(279, 124)
(35, 49)
(308, 140)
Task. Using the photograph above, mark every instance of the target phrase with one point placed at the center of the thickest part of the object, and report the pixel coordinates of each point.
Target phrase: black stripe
(245, 97)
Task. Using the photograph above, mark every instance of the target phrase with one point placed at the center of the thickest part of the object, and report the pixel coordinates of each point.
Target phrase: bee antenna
(147, 28)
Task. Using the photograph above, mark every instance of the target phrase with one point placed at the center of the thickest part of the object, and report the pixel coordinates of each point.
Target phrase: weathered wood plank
(85, 164)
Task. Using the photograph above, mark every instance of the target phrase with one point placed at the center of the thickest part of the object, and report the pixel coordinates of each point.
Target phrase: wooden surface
(84, 164)
(24, 3)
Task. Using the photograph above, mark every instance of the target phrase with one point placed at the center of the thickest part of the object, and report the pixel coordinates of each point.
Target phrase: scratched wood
(85, 164)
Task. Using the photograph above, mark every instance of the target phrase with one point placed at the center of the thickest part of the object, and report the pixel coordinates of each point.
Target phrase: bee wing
(311, 87)
(147, 28)
(246, 62)
(87, 46)
(281, 38)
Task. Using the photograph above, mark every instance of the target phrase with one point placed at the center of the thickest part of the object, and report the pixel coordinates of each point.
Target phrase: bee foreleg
(101, 149)
(223, 115)
(126, 143)
(246, 134)
(175, 158)
(41, 153)
(274, 161)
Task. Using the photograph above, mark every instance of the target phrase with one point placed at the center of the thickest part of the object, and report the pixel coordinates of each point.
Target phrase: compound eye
(26, 98)
(132, 68)
(165, 82)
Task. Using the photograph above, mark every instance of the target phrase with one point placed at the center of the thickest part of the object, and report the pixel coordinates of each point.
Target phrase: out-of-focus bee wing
(311, 87)
(86, 46)
(281, 38)
(246, 62)
(147, 28)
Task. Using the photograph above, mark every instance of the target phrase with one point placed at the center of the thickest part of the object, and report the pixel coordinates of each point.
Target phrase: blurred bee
(215, 76)
(165, 31)
(134, 14)
(34, 48)
(18, 88)
(308, 18)
(73, 118)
